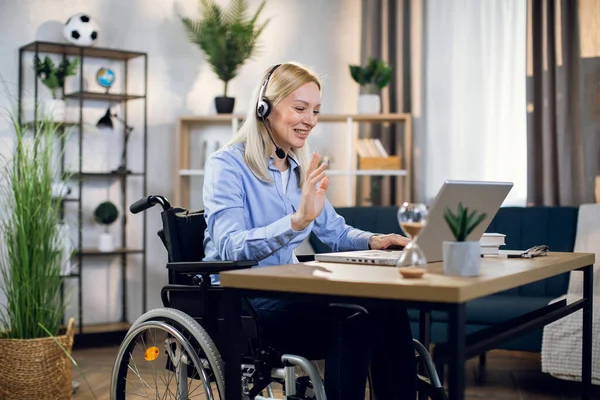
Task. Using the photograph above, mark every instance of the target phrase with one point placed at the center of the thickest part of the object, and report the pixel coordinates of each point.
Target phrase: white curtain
(474, 94)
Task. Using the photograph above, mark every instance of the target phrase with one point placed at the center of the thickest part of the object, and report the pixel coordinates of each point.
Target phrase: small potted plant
(462, 257)
(372, 77)
(228, 38)
(106, 214)
(53, 77)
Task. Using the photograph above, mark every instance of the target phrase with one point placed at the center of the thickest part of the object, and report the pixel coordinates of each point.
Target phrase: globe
(105, 77)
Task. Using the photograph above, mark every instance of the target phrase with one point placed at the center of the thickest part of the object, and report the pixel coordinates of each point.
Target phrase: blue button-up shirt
(248, 219)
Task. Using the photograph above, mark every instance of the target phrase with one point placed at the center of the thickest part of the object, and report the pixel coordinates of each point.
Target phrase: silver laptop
(486, 197)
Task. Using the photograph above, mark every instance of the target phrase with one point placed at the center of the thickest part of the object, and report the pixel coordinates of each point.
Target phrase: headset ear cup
(260, 108)
(264, 108)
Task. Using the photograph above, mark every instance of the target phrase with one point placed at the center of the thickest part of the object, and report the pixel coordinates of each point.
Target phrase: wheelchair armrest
(164, 293)
(208, 267)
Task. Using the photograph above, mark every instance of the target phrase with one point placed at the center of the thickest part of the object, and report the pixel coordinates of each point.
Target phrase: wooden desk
(355, 283)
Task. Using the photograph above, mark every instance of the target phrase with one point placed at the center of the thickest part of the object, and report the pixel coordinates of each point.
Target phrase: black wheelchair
(173, 352)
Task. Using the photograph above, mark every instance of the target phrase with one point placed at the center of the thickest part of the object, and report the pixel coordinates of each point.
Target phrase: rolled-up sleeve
(223, 198)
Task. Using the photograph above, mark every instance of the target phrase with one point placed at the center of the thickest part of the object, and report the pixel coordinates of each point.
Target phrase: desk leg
(232, 349)
(425, 339)
(456, 363)
(586, 348)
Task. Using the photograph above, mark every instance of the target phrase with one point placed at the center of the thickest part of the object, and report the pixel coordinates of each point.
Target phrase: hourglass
(412, 218)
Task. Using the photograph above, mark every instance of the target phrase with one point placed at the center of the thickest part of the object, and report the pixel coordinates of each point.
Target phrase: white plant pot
(106, 243)
(462, 258)
(369, 104)
(55, 109)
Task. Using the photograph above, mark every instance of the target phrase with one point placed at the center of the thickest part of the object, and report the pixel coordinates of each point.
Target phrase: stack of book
(371, 148)
(490, 243)
(373, 156)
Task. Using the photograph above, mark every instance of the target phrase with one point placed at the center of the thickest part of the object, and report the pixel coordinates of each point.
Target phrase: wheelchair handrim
(117, 385)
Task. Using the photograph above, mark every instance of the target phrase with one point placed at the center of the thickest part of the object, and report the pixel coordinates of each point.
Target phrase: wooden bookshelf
(187, 124)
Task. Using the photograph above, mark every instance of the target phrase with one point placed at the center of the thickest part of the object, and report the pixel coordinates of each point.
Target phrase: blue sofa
(524, 227)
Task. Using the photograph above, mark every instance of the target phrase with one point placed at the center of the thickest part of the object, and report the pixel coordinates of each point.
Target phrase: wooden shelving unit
(183, 172)
(112, 97)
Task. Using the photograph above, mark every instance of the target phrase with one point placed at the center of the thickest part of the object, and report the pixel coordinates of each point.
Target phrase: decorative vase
(462, 258)
(37, 368)
(369, 104)
(55, 109)
(106, 243)
(224, 105)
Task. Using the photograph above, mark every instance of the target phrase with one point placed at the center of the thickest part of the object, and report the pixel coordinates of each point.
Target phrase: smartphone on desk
(531, 252)
(512, 253)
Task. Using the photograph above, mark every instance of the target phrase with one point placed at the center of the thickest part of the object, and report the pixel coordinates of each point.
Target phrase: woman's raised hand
(313, 194)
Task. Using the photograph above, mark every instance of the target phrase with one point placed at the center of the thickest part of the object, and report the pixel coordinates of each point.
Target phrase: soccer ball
(81, 30)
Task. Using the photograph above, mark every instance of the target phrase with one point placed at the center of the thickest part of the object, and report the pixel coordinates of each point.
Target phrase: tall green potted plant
(372, 77)
(228, 38)
(32, 364)
(53, 76)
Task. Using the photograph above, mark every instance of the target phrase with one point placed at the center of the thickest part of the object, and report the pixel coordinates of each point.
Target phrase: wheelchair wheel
(165, 354)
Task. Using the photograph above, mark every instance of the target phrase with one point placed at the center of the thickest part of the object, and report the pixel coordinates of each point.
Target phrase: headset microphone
(263, 109)
(278, 150)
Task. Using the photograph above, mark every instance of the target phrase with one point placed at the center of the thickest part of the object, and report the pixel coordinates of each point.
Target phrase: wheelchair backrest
(183, 237)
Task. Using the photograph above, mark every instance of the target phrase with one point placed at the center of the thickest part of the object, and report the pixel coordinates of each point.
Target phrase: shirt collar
(291, 158)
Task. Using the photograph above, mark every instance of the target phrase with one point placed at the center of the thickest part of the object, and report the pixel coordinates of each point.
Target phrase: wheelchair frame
(190, 283)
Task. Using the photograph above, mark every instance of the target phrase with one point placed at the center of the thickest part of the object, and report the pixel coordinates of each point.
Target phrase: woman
(263, 195)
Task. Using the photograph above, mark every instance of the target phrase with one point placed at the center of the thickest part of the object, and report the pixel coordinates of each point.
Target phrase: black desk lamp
(106, 122)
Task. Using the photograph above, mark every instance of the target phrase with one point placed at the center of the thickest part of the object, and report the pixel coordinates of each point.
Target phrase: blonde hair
(252, 132)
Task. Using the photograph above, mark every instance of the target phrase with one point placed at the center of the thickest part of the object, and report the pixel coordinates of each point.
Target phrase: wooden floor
(508, 375)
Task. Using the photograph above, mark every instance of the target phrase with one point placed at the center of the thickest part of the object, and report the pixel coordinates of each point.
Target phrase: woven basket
(36, 369)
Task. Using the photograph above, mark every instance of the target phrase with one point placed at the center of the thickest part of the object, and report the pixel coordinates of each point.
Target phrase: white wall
(323, 34)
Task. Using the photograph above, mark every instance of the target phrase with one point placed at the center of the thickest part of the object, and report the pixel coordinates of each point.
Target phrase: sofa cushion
(531, 341)
(525, 227)
(504, 307)
(372, 219)
(491, 309)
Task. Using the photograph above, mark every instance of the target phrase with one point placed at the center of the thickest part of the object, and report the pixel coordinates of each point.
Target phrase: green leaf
(357, 75)
(227, 38)
(475, 223)
(463, 222)
(236, 12)
(375, 73)
(452, 222)
(53, 76)
(31, 253)
(106, 213)
(382, 77)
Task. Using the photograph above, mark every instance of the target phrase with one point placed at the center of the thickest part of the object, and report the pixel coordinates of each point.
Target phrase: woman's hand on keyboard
(389, 241)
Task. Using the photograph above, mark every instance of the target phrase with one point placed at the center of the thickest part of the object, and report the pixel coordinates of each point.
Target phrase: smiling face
(293, 118)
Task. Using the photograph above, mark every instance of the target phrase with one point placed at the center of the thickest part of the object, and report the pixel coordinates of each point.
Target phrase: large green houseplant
(228, 38)
(32, 364)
